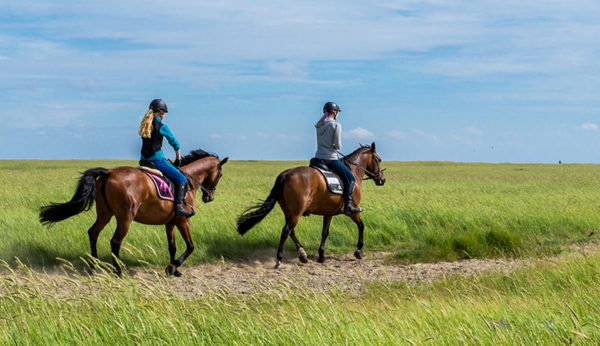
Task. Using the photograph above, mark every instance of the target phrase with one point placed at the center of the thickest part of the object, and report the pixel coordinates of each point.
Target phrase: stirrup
(179, 211)
(350, 209)
(180, 200)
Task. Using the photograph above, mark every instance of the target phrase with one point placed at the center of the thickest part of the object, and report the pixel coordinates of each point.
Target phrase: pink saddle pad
(162, 187)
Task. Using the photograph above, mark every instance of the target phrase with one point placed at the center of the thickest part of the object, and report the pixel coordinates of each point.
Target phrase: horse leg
(117, 239)
(102, 219)
(185, 230)
(285, 232)
(361, 227)
(290, 223)
(302, 254)
(170, 229)
(324, 234)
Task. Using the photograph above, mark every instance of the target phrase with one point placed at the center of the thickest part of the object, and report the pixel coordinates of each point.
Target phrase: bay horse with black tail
(303, 191)
(130, 195)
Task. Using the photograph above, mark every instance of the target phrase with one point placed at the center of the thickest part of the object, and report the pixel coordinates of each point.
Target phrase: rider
(329, 141)
(152, 131)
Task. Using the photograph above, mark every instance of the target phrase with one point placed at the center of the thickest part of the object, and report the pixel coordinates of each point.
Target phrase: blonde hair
(146, 124)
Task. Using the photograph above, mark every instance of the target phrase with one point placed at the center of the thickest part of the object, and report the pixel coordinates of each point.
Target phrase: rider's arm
(165, 131)
(337, 136)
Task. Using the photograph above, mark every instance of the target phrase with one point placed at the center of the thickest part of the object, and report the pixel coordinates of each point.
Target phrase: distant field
(427, 211)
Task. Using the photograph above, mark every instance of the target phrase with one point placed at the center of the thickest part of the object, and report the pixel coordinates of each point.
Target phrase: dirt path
(245, 276)
(341, 272)
(257, 274)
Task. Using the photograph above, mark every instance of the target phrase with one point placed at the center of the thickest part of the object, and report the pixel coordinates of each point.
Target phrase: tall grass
(426, 211)
(549, 303)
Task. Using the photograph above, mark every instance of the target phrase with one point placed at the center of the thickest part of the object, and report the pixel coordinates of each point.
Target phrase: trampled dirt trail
(339, 272)
(258, 274)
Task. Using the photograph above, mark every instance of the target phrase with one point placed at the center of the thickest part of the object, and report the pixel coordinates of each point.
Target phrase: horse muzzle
(207, 198)
(379, 182)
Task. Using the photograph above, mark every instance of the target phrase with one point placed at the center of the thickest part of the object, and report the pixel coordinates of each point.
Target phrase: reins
(197, 182)
(370, 175)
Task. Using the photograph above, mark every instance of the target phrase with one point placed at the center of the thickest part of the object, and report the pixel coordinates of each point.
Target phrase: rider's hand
(177, 163)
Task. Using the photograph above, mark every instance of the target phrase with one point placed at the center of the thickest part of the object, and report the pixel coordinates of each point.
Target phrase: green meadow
(427, 211)
(549, 303)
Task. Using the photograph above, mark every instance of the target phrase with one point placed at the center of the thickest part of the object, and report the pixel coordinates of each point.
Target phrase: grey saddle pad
(334, 183)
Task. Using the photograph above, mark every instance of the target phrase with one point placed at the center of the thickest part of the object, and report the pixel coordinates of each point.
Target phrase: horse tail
(256, 213)
(83, 199)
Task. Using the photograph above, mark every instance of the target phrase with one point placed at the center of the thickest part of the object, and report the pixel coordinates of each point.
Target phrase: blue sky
(492, 81)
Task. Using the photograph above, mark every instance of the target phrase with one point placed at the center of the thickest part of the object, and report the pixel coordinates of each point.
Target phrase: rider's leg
(180, 185)
(346, 175)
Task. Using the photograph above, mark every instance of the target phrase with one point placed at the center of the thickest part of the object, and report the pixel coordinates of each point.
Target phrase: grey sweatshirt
(329, 139)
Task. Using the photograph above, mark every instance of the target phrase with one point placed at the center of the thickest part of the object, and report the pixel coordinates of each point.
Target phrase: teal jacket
(166, 132)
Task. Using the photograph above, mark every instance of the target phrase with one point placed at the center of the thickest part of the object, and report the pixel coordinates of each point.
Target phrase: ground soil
(257, 273)
(338, 272)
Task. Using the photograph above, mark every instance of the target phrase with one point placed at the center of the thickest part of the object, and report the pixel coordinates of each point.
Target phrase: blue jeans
(170, 171)
(339, 168)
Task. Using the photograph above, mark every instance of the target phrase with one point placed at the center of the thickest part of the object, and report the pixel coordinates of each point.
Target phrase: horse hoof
(321, 260)
(177, 273)
(303, 257)
(358, 254)
(172, 270)
(278, 265)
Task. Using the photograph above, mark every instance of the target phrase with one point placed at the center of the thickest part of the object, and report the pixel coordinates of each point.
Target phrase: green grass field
(550, 303)
(427, 211)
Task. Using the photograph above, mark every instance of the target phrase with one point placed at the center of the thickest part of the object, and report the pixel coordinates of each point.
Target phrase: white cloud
(589, 126)
(215, 136)
(287, 68)
(430, 136)
(360, 133)
(397, 134)
(474, 131)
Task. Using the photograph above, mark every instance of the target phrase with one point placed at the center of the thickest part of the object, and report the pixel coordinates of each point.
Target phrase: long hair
(146, 124)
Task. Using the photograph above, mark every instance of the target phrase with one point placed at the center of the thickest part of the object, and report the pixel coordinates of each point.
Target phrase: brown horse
(130, 195)
(303, 191)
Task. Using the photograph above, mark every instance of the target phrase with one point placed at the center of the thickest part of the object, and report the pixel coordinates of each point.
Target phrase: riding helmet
(158, 105)
(331, 106)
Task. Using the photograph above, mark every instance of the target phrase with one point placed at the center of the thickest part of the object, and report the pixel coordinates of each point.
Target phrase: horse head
(370, 162)
(204, 171)
(209, 185)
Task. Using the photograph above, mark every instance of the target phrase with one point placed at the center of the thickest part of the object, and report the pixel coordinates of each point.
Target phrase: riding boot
(349, 207)
(180, 191)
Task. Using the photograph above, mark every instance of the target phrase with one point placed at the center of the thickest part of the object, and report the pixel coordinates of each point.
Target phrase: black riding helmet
(331, 106)
(158, 105)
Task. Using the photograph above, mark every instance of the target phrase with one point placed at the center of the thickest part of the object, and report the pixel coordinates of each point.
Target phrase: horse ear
(223, 161)
(373, 147)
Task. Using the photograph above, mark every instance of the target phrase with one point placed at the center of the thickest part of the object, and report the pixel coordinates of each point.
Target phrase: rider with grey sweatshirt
(329, 141)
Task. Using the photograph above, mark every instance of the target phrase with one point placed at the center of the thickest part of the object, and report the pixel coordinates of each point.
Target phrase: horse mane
(350, 157)
(195, 155)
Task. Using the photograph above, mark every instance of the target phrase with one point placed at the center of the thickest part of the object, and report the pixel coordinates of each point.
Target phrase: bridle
(370, 175)
(202, 187)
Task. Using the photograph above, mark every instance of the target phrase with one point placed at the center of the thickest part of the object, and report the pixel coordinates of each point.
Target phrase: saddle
(334, 183)
(164, 185)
